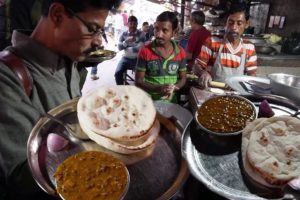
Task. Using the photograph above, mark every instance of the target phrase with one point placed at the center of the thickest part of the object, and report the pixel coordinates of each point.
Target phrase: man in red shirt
(197, 37)
(125, 18)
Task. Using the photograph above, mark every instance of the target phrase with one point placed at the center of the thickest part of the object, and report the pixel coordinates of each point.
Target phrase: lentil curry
(225, 114)
(91, 175)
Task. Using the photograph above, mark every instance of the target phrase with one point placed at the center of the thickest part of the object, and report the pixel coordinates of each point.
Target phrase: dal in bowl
(92, 175)
(225, 115)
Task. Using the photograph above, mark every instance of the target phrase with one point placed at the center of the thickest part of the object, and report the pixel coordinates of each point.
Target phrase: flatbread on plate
(124, 148)
(122, 113)
(272, 148)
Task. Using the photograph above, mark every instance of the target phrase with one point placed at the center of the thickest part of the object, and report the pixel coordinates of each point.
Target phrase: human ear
(247, 23)
(56, 13)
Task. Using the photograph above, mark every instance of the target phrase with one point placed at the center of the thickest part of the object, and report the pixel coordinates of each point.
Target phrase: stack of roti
(119, 118)
(271, 150)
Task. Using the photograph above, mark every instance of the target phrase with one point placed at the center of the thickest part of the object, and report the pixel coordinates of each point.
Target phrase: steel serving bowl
(264, 49)
(70, 172)
(225, 115)
(286, 85)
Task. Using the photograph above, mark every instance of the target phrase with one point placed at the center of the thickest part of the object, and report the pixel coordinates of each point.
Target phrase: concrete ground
(106, 70)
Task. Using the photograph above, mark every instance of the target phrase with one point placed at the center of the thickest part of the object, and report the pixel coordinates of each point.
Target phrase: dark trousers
(123, 66)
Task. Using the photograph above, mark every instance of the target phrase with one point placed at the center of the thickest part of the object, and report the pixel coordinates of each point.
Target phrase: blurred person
(161, 65)
(94, 66)
(130, 41)
(146, 31)
(197, 37)
(125, 18)
(65, 33)
(228, 56)
(131, 13)
(118, 25)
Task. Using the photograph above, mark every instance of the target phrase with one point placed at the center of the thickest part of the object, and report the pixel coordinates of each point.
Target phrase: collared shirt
(131, 49)
(230, 58)
(55, 81)
(158, 70)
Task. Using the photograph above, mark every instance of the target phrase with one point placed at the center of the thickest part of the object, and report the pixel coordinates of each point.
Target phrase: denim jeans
(94, 70)
(123, 65)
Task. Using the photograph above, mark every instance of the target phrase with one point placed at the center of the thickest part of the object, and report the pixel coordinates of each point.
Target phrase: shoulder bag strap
(16, 64)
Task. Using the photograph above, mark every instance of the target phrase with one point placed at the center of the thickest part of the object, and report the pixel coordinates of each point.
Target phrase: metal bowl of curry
(92, 175)
(225, 115)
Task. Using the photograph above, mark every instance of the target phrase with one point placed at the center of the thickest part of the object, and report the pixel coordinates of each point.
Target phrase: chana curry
(91, 175)
(225, 114)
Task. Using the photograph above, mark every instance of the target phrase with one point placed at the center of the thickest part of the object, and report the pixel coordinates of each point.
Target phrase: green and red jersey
(159, 70)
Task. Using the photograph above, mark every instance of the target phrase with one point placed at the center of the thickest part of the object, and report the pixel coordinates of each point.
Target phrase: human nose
(159, 34)
(234, 26)
(97, 41)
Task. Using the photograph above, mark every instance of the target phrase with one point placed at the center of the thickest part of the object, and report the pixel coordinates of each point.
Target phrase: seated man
(228, 56)
(66, 32)
(146, 31)
(131, 41)
(161, 66)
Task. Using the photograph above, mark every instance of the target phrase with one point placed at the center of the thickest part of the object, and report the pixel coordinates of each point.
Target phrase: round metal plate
(216, 161)
(159, 176)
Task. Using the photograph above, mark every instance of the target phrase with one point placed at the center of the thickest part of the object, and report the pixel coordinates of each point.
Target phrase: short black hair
(198, 17)
(168, 16)
(80, 5)
(145, 23)
(132, 19)
(239, 7)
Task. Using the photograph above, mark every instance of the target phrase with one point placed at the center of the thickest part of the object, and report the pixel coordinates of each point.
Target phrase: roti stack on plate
(119, 118)
(271, 150)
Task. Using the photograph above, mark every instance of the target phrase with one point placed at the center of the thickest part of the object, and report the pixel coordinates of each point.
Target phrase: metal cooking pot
(233, 115)
(286, 85)
(264, 49)
(255, 40)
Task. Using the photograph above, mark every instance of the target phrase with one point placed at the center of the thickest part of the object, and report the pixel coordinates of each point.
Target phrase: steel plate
(234, 83)
(216, 161)
(159, 176)
(100, 58)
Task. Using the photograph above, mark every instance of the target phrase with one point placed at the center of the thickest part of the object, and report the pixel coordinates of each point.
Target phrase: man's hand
(130, 39)
(204, 79)
(166, 89)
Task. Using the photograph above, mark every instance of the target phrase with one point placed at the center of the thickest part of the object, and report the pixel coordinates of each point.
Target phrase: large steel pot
(264, 49)
(286, 85)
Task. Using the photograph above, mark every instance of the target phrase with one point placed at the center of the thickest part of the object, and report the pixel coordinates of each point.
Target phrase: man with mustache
(131, 42)
(161, 69)
(66, 33)
(231, 55)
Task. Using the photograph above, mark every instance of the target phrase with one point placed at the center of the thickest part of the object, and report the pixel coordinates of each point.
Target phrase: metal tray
(217, 163)
(234, 83)
(98, 59)
(159, 176)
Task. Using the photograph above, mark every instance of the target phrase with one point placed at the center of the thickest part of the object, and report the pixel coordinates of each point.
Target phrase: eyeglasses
(93, 31)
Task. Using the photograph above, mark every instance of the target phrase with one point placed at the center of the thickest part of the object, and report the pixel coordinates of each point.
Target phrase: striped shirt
(159, 70)
(230, 57)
